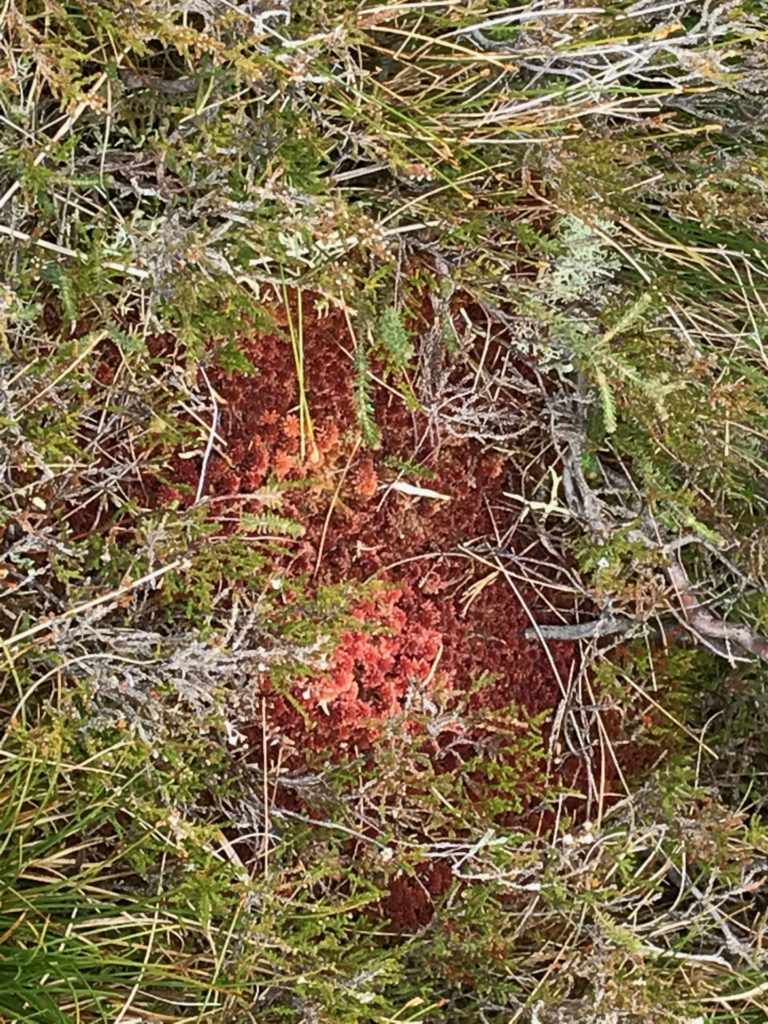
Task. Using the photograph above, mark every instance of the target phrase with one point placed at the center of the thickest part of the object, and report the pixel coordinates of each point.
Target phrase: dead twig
(606, 625)
(709, 627)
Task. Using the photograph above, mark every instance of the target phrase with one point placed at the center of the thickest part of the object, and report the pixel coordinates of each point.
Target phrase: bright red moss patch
(449, 618)
(368, 679)
(356, 528)
(446, 618)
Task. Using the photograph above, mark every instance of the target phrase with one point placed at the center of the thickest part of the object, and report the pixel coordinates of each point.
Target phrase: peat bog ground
(383, 489)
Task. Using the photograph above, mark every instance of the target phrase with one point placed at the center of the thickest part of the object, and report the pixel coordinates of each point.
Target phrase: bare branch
(606, 625)
(708, 626)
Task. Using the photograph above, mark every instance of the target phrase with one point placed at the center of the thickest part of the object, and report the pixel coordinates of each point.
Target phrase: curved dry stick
(708, 626)
(716, 634)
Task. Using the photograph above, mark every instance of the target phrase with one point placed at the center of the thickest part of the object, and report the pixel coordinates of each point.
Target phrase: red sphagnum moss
(445, 621)
(441, 620)
(368, 679)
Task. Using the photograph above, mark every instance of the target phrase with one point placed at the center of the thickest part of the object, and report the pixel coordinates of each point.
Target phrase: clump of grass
(116, 899)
